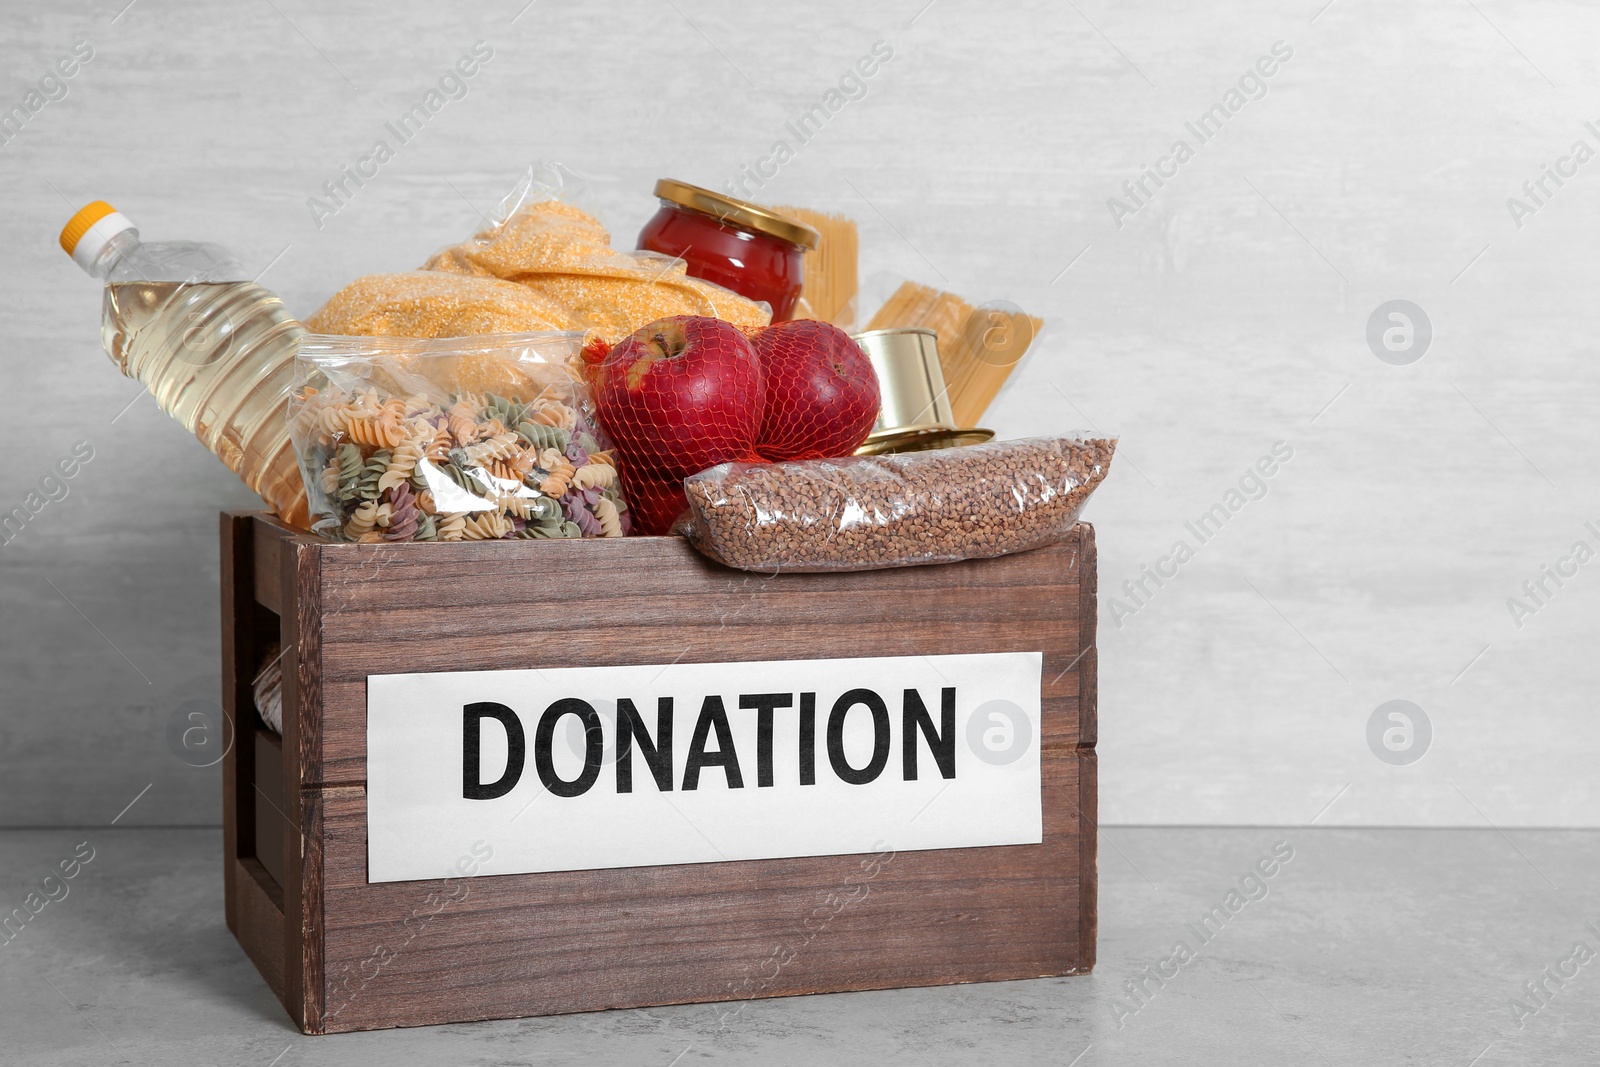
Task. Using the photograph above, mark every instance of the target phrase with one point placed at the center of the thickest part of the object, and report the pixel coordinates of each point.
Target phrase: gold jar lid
(741, 213)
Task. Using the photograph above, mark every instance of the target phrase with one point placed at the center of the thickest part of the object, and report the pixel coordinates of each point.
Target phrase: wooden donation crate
(344, 950)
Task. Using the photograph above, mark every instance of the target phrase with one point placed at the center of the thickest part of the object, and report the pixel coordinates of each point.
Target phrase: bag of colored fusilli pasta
(451, 439)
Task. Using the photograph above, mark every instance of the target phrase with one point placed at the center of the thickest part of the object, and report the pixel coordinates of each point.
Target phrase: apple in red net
(822, 393)
(680, 395)
(654, 500)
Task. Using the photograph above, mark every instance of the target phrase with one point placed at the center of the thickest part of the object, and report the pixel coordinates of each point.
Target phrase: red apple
(822, 393)
(654, 500)
(680, 395)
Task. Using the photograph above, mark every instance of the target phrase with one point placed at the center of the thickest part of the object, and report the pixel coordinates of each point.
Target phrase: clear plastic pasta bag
(451, 439)
(867, 512)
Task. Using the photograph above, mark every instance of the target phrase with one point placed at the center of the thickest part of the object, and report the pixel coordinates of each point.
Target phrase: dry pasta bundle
(399, 441)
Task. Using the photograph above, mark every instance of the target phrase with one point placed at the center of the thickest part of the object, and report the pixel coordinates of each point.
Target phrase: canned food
(916, 414)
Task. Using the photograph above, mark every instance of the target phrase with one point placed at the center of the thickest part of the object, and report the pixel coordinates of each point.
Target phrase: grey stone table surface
(1364, 946)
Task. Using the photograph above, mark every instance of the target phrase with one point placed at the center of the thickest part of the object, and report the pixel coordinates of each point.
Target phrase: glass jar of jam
(740, 246)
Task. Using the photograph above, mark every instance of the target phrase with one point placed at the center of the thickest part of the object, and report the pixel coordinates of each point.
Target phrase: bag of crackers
(540, 263)
(451, 439)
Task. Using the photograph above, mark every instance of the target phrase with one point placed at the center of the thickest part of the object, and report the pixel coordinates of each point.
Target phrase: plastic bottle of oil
(216, 351)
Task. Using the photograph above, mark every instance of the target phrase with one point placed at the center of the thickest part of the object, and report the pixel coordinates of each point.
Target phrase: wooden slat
(273, 832)
(428, 607)
(1087, 672)
(1089, 854)
(267, 565)
(311, 912)
(276, 568)
(1086, 660)
(585, 940)
(260, 920)
(296, 595)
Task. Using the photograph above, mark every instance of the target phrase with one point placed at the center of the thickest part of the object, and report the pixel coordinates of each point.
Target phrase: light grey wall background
(1228, 314)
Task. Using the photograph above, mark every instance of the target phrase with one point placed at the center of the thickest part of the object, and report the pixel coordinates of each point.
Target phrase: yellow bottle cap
(79, 224)
(87, 232)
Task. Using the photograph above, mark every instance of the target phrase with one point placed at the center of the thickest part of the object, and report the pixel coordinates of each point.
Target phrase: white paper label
(719, 761)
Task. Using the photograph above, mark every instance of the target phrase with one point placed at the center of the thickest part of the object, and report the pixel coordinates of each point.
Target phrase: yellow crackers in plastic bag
(557, 257)
(435, 304)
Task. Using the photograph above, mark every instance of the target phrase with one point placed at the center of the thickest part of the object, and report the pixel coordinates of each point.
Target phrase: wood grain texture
(273, 832)
(295, 582)
(673, 606)
(257, 904)
(581, 940)
(1088, 815)
(1086, 672)
(267, 567)
(255, 788)
(408, 953)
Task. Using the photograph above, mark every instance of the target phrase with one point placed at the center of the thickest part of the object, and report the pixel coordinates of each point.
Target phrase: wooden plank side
(299, 629)
(1089, 854)
(272, 825)
(286, 573)
(312, 940)
(260, 921)
(235, 584)
(1088, 674)
(286, 581)
(1086, 568)
(305, 741)
(422, 952)
(267, 565)
(403, 608)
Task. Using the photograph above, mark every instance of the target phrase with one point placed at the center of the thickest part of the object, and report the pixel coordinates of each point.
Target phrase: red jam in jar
(740, 246)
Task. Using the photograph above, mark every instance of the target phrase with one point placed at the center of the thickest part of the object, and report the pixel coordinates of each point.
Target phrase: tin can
(916, 414)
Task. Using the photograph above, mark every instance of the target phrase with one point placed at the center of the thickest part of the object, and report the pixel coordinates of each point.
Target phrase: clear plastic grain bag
(542, 262)
(868, 512)
(543, 239)
(451, 439)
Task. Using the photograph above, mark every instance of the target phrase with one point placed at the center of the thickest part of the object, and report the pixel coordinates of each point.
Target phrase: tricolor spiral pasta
(452, 527)
(488, 526)
(610, 520)
(594, 476)
(404, 459)
(361, 521)
(384, 467)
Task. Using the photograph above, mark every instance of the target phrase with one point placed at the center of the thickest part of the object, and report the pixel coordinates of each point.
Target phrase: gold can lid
(739, 212)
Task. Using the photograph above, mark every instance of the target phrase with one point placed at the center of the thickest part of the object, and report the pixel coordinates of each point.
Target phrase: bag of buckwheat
(868, 512)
